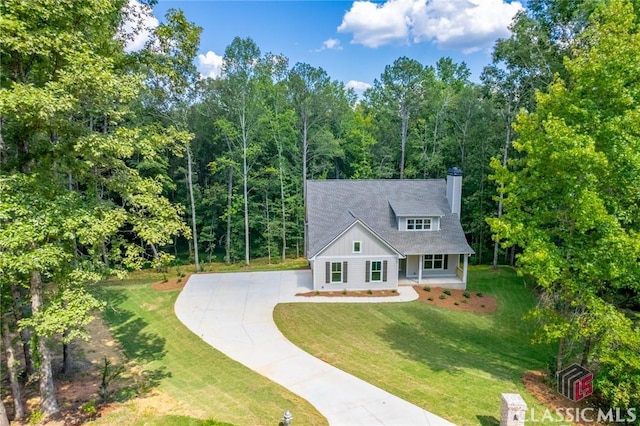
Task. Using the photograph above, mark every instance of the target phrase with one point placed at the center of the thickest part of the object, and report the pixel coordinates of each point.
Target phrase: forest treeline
(112, 160)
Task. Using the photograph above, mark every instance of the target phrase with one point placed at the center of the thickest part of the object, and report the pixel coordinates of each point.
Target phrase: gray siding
(341, 250)
(357, 273)
(370, 245)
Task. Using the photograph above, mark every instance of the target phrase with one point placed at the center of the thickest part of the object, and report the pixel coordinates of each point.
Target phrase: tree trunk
(227, 244)
(21, 310)
(283, 209)
(48, 402)
(266, 206)
(245, 193)
(505, 157)
(4, 420)
(13, 374)
(156, 257)
(585, 352)
(560, 354)
(305, 149)
(194, 229)
(66, 354)
(403, 141)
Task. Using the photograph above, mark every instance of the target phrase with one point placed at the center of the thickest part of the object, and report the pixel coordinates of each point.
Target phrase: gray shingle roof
(333, 205)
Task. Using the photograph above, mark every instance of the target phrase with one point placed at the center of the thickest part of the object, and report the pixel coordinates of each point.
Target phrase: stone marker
(514, 410)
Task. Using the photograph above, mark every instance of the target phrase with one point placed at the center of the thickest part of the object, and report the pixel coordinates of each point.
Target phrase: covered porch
(438, 270)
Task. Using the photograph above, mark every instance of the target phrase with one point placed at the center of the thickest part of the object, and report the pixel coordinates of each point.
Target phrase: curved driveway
(233, 312)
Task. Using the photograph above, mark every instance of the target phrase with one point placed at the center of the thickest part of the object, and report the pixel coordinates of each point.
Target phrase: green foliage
(572, 202)
(447, 291)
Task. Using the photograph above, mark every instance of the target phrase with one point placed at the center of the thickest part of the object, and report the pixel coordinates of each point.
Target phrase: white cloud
(358, 86)
(210, 65)
(330, 44)
(469, 25)
(374, 25)
(137, 28)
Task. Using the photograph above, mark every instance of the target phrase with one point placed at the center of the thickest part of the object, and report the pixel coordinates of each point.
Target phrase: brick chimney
(454, 189)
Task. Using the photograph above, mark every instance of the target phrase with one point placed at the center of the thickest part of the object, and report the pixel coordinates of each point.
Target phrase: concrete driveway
(233, 312)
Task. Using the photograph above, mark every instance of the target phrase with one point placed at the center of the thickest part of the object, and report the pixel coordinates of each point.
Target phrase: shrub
(482, 306)
(464, 300)
(430, 298)
(317, 292)
(478, 294)
(466, 294)
(442, 297)
(179, 280)
(369, 291)
(344, 291)
(394, 291)
(37, 416)
(456, 303)
(426, 288)
(89, 407)
(447, 291)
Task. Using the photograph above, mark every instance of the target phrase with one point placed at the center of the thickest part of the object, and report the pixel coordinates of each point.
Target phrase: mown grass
(205, 383)
(454, 364)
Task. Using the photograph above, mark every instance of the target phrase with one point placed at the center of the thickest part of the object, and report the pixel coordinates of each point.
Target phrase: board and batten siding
(341, 250)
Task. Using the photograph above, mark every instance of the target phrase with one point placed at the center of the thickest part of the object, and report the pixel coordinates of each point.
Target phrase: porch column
(420, 263)
(464, 269)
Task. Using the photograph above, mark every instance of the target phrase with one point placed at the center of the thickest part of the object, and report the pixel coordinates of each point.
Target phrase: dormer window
(419, 224)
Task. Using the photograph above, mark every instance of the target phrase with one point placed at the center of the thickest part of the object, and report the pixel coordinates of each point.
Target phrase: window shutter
(344, 272)
(367, 271)
(384, 271)
(446, 261)
(327, 276)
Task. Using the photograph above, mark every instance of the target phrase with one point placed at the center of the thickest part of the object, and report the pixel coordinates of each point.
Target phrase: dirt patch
(457, 300)
(171, 283)
(537, 385)
(350, 293)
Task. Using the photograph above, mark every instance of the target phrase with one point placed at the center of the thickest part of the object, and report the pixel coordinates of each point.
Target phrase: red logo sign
(575, 382)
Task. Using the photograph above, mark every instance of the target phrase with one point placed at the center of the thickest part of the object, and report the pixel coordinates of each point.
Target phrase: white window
(357, 247)
(336, 272)
(376, 270)
(435, 261)
(419, 224)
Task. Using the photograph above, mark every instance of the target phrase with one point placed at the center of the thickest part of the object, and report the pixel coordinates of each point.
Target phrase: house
(376, 234)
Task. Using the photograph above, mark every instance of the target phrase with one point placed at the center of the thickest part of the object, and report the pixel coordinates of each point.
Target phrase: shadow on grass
(128, 328)
(488, 421)
(444, 341)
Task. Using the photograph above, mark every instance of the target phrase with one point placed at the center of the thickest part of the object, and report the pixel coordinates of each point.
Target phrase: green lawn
(454, 364)
(205, 383)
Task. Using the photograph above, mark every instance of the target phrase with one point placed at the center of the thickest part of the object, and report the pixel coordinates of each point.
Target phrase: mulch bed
(171, 283)
(457, 301)
(352, 293)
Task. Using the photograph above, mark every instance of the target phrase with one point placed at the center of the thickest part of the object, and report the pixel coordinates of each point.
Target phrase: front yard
(455, 364)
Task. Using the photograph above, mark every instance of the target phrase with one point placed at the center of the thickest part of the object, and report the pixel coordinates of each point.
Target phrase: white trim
(331, 281)
(371, 271)
(422, 221)
(378, 256)
(400, 255)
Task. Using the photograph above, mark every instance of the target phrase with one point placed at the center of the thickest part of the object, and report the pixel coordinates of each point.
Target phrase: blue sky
(352, 40)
